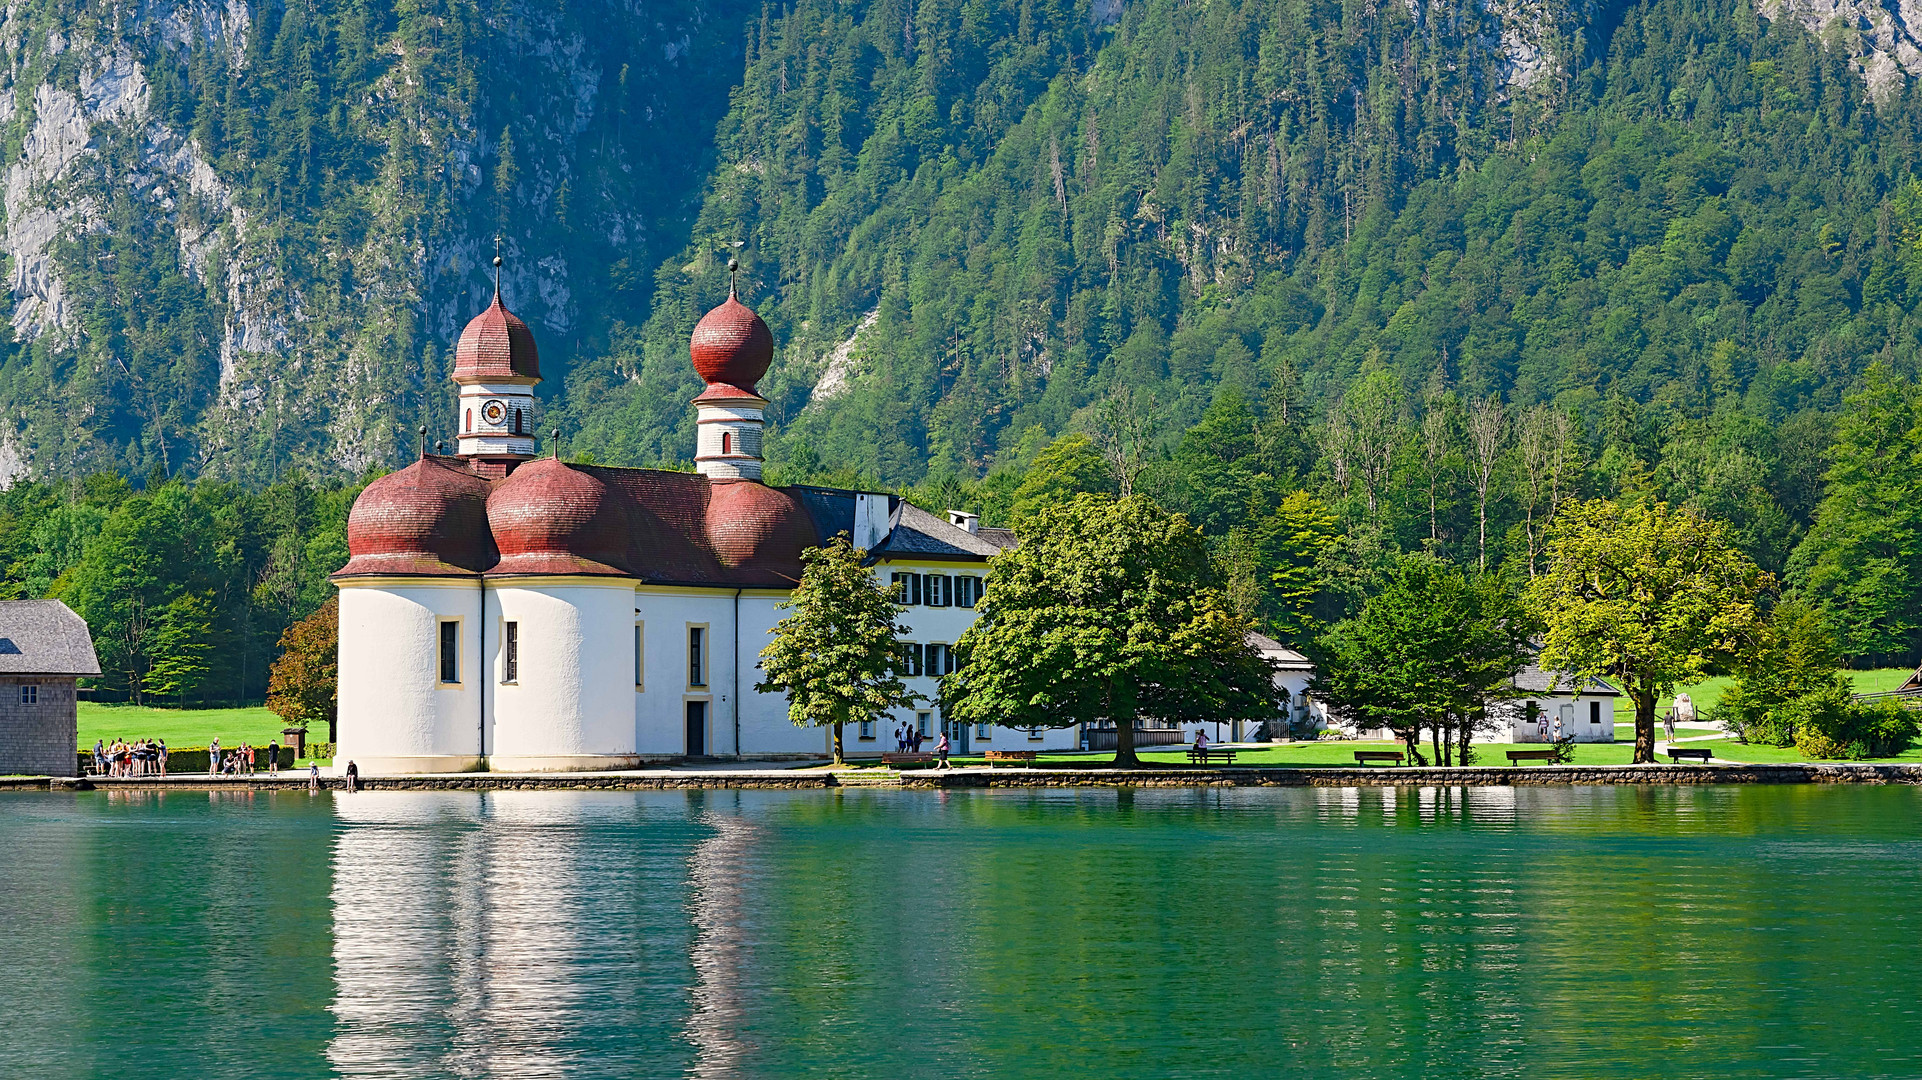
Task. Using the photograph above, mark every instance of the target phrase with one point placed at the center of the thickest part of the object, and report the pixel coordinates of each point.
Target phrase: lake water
(1580, 932)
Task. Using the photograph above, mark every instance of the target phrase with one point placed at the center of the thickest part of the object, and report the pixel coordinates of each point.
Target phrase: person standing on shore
(313, 777)
(213, 757)
(160, 755)
(273, 757)
(99, 756)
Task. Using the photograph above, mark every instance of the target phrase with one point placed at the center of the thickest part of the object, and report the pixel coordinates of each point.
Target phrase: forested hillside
(1338, 280)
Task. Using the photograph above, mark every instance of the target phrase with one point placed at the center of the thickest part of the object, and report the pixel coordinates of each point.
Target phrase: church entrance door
(697, 729)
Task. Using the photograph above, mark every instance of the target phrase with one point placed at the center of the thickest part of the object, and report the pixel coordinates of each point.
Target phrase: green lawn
(1730, 750)
(180, 727)
(1707, 693)
(1331, 752)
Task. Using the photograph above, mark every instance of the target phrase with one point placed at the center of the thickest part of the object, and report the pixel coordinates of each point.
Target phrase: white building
(1293, 673)
(505, 612)
(1549, 705)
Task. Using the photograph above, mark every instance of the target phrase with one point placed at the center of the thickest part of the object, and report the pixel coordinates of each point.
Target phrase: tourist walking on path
(353, 777)
(941, 751)
(213, 757)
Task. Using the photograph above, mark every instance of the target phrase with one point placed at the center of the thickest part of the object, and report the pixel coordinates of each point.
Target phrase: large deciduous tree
(1109, 610)
(1431, 649)
(1650, 595)
(303, 686)
(838, 656)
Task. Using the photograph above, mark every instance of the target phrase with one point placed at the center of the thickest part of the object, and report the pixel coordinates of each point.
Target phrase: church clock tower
(496, 367)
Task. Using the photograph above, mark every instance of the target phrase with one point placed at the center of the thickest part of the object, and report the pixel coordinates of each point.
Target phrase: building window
(29, 694)
(727, 442)
(1594, 712)
(450, 651)
(967, 591)
(640, 655)
(910, 659)
(1034, 734)
(924, 723)
(697, 656)
(983, 731)
(867, 729)
(511, 652)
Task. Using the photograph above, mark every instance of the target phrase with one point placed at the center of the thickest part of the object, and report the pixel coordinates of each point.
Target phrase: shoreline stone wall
(929, 779)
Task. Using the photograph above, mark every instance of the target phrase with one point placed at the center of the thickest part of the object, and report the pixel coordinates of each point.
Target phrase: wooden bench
(1516, 757)
(1699, 753)
(899, 760)
(1363, 757)
(1021, 757)
(1202, 755)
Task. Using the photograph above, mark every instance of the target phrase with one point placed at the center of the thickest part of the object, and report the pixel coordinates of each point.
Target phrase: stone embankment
(801, 779)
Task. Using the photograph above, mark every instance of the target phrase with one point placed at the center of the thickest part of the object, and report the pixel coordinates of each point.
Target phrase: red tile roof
(435, 518)
(496, 345)
(732, 346)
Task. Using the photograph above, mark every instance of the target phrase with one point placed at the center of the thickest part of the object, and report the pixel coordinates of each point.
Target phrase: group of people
(242, 760)
(908, 739)
(147, 757)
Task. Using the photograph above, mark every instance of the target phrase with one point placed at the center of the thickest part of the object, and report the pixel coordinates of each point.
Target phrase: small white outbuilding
(1550, 704)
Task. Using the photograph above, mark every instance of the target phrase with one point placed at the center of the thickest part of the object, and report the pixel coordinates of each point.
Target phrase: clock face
(494, 412)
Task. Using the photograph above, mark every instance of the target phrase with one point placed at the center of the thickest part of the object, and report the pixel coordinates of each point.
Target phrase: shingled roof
(44, 637)
(1533, 680)
(917, 533)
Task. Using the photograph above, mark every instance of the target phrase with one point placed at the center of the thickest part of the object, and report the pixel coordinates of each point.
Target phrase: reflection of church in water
(511, 612)
(515, 934)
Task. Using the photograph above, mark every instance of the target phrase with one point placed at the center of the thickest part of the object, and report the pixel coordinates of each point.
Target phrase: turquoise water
(1581, 932)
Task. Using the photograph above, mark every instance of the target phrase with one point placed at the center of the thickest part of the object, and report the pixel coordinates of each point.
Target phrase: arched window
(470, 419)
(517, 421)
(727, 442)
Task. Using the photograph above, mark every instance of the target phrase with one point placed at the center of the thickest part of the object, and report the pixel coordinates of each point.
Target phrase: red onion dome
(752, 526)
(496, 345)
(427, 519)
(551, 518)
(732, 346)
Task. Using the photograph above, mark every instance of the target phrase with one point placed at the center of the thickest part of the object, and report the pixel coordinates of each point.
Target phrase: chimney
(961, 519)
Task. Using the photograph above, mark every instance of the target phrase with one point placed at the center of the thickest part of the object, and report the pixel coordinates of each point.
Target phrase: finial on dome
(557, 444)
(497, 266)
(733, 271)
(423, 441)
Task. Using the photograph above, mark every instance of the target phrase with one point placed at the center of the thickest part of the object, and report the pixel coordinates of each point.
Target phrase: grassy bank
(180, 727)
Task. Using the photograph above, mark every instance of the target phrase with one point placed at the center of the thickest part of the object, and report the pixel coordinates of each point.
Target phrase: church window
(470, 420)
(511, 653)
(867, 729)
(450, 651)
(984, 731)
(640, 655)
(29, 693)
(727, 442)
(697, 656)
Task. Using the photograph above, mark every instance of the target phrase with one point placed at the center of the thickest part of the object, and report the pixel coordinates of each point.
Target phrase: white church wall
(396, 715)
(659, 715)
(568, 707)
(766, 731)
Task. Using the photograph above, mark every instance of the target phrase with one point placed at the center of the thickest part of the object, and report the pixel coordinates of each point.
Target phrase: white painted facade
(497, 419)
(727, 440)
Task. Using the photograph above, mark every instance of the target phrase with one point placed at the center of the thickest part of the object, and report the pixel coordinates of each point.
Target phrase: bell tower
(496, 367)
(731, 348)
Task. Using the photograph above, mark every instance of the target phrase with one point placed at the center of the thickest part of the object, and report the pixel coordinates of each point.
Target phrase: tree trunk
(1644, 726)
(1440, 743)
(1412, 741)
(837, 743)
(1124, 744)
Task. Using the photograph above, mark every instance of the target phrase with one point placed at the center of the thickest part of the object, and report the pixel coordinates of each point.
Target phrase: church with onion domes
(508, 611)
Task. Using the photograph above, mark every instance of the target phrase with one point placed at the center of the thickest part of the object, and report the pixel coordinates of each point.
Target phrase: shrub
(1831, 725)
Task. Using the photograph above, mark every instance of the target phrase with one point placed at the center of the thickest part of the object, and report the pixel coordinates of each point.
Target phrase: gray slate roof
(1534, 680)
(44, 637)
(1278, 654)
(917, 532)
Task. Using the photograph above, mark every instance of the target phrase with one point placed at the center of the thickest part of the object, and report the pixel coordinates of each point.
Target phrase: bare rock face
(1882, 38)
